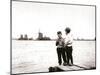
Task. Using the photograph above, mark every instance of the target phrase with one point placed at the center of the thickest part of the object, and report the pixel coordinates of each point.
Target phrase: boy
(68, 46)
(60, 48)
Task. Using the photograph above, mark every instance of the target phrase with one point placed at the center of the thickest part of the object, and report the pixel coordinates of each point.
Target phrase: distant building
(40, 37)
(46, 38)
(25, 37)
(30, 39)
(21, 37)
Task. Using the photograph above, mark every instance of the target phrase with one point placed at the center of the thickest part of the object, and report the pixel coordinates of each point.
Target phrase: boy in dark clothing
(60, 48)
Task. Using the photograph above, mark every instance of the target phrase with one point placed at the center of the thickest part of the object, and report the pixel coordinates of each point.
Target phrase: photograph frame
(49, 3)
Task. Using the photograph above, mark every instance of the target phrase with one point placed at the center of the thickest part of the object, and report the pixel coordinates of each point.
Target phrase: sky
(30, 18)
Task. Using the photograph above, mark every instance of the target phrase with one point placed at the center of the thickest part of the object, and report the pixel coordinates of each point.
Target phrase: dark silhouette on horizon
(40, 37)
(25, 37)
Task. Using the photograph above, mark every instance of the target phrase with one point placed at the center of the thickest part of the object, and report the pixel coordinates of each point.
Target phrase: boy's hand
(57, 43)
(69, 43)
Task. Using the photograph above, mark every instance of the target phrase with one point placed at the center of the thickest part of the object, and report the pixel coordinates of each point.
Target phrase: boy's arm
(68, 43)
(69, 40)
(57, 43)
(63, 42)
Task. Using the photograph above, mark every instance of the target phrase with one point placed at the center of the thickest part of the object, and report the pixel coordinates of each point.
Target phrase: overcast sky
(28, 18)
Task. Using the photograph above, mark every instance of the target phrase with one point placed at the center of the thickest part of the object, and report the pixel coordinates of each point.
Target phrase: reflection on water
(37, 56)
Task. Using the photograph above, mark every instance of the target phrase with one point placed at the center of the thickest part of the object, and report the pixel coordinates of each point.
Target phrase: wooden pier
(66, 68)
(42, 69)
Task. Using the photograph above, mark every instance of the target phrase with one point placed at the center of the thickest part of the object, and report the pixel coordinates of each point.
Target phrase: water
(37, 56)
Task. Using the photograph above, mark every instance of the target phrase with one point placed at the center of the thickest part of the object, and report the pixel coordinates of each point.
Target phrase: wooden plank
(74, 67)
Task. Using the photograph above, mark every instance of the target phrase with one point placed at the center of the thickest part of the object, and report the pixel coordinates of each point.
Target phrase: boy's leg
(68, 55)
(71, 56)
(59, 56)
(63, 55)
